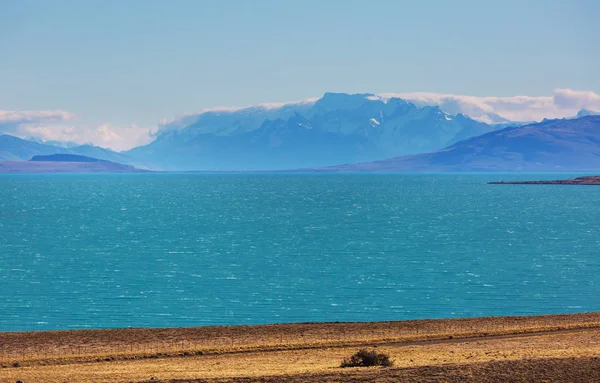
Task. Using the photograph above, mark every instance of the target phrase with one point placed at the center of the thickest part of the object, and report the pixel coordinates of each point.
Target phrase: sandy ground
(530, 357)
(579, 370)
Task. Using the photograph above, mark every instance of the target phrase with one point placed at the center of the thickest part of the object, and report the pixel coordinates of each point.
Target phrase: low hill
(65, 163)
(551, 145)
(64, 158)
(17, 149)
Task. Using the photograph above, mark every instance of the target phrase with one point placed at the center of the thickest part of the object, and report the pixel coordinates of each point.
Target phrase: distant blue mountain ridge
(337, 128)
(17, 149)
(61, 144)
(64, 158)
(549, 146)
(66, 163)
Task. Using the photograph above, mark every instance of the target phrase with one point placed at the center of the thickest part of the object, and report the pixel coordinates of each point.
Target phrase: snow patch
(374, 97)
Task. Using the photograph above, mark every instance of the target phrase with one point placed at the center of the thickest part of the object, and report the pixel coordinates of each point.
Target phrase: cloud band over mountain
(60, 125)
(562, 103)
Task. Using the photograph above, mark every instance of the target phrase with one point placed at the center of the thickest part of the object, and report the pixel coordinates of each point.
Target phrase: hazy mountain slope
(65, 167)
(61, 144)
(64, 158)
(101, 153)
(337, 128)
(552, 145)
(276, 144)
(17, 149)
(586, 112)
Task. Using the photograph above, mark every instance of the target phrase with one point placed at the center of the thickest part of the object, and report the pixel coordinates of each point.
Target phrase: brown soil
(475, 348)
(579, 370)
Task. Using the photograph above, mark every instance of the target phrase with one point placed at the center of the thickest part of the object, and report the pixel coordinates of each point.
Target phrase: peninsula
(587, 180)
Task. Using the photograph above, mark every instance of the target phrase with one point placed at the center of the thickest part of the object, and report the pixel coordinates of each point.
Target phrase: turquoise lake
(167, 250)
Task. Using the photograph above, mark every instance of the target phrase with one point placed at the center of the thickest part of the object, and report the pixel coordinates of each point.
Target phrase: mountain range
(552, 145)
(337, 128)
(375, 133)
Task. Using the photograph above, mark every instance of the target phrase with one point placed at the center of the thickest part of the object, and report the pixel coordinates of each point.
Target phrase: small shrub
(16, 364)
(367, 358)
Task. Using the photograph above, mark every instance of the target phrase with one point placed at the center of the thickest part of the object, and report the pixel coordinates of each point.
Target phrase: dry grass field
(529, 349)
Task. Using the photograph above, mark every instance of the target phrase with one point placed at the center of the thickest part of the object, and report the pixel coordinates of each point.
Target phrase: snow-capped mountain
(474, 107)
(337, 128)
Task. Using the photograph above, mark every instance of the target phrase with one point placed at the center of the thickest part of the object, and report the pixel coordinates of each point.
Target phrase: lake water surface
(156, 250)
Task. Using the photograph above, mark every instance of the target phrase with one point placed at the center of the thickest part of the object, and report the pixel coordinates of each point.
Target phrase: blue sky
(120, 63)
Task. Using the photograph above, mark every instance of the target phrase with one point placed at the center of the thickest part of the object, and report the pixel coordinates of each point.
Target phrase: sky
(110, 71)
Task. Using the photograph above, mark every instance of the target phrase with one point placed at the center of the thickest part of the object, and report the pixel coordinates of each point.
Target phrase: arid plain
(555, 348)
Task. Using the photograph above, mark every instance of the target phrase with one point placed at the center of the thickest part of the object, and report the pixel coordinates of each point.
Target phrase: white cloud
(105, 135)
(563, 103)
(492, 109)
(270, 110)
(16, 116)
(122, 137)
(59, 125)
(572, 99)
(263, 106)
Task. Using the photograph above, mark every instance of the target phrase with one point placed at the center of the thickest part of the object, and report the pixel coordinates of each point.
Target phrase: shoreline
(491, 318)
(586, 180)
